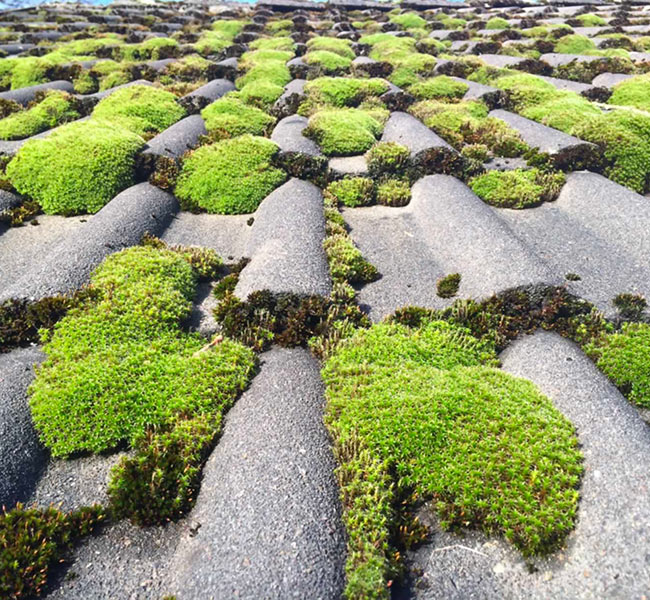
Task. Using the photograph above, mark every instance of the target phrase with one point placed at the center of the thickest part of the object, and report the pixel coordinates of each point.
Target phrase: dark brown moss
(447, 287)
(630, 306)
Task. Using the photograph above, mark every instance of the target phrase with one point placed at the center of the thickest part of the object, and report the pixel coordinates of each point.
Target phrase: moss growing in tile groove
(341, 92)
(630, 306)
(230, 117)
(78, 168)
(393, 191)
(388, 158)
(441, 87)
(352, 191)
(49, 110)
(632, 92)
(229, 177)
(338, 46)
(624, 357)
(518, 188)
(412, 435)
(33, 540)
(143, 109)
(344, 131)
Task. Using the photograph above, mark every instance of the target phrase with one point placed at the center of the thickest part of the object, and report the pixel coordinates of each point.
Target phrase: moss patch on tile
(55, 108)
(229, 177)
(518, 188)
(451, 429)
(230, 117)
(78, 168)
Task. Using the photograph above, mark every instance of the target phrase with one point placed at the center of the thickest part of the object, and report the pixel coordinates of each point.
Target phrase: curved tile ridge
(121, 223)
(565, 149)
(21, 454)
(613, 531)
(204, 95)
(606, 555)
(600, 232)
(493, 97)
(170, 145)
(27, 94)
(286, 244)
(288, 135)
(287, 104)
(268, 509)
(470, 238)
(428, 150)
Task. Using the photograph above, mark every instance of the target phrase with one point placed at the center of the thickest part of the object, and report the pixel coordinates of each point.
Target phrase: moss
(120, 364)
(574, 44)
(430, 46)
(78, 168)
(114, 79)
(274, 71)
(341, 132)
(408, 21)
(230, 117)
(438, 88)
(624, 358)
(33, 540)
(491, 427)
(21, 319)
(630, 306)
(228, 29)
(338, 46)
(55, 108)
(329, 63)
(189, 68)
(142, 109)
(152, 49)
(632, 92)
(387, 158)
(562, 112)
(591, 20)
(16, 216)
(353, 191)
(161, 481)
(497, 23)
(394, 192)
(518, 188)
(624, 137)
(479, 152)
(29, 71)
(261, 93)
(346, 261)
(341, 92)
(85, 83)
(230, 176)
(447, 287)
(285, 319)
(407, 63)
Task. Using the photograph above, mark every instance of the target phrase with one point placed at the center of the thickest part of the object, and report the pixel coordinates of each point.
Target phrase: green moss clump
(624, 137)
(394, 192)
(120, 364)
(438, 88)
(78, 168)
(447, 287)
(448, 120)
(231, 176)
(632, 92)
(624, 358)
(29, 70)
(591, 20)
(261, 93)
(343, 91)
(274, 71)
(33, 540)
(276, 43)
(329, 63)
(344, 131)
(562, 112)
(338, 46)
(228, 29)
(497, 23)
(161, 481)
(353, 191)
(54, 109)
(346, 261)
(230, 117)
(387, 158)
(574, 44)
(469, 437)
(518, 188)
(142, 109)
(408, 21)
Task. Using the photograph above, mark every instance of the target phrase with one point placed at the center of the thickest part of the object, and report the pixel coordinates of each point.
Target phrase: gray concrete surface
(268, 509)
(22, 457)
(286, 244)
(121, 223)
